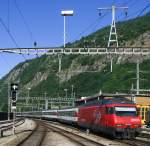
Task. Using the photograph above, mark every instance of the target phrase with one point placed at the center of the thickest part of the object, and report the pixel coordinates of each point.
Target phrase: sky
(28, 21)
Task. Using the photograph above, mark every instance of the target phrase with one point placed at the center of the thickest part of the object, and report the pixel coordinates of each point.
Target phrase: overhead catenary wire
(147, 6)
(25, 22)
(138, 12)
(10, 35)
(8, 20)
(89, 27)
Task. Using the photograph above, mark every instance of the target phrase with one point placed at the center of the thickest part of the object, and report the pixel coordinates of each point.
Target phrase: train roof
(104, 99)
(102, 96)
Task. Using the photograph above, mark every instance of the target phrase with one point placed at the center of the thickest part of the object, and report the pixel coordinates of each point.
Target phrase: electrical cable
(8, 13)
(143, 10)
(87, 28)
(10, 35)
(24, 21)
(138, 11)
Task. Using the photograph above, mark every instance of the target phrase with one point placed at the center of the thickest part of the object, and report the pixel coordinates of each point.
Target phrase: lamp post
(64, 14)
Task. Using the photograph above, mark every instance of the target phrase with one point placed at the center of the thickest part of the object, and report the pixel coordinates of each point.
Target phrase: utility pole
(72, 90)
(9, 101)
(66, 92)
(138, 71)
(59, 71)
(113, 33)
(46, 101)
(137, 77)
(59, 59)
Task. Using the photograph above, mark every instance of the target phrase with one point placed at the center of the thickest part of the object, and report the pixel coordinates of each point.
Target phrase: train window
(125, 111)
(110, 110)
(67, 113)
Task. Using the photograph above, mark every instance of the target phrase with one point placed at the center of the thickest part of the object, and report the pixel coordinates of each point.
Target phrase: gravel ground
(21, 132)
(95, 138)
(55, 139)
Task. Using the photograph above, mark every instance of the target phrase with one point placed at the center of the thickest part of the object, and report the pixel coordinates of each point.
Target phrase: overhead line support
(113, 33)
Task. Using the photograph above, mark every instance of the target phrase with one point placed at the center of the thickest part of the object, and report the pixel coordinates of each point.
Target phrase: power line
(88, 27)
(8, 13)
(24, 21)
(10, 35)
(138, 12)
(143, 10)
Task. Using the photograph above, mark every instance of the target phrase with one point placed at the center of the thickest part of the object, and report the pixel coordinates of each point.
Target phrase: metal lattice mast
(113, 33)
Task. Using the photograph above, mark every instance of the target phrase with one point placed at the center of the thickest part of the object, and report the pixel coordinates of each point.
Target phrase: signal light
(14, 95)
(13, 104)
(14, 86)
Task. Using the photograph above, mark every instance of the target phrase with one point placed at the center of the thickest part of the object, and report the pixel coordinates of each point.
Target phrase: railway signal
(14, 89)
(14, 96)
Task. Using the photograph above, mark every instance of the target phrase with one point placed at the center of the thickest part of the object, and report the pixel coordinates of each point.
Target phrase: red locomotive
(115, 116)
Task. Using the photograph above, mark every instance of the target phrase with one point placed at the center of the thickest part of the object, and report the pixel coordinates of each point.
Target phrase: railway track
(139, 141)
(47, 134)
(76, 139)
(136, 142)
(51, 133)
(35, 138)
(80, 137)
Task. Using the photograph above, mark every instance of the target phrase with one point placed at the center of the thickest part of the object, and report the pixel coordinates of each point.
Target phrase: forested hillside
(88, 74)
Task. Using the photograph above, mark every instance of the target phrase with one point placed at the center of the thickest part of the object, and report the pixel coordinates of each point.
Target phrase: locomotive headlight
(119, 125)
(137, 125)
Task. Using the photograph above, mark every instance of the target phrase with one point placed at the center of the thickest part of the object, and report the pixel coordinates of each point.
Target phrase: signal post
(14, 89)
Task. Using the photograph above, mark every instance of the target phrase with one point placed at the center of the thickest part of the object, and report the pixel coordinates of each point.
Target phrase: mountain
(88, 74)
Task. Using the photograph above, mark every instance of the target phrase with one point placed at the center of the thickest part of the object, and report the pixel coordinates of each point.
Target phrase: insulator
(35, 44)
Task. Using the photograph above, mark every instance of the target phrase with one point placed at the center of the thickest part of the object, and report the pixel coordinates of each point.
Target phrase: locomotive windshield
(125, 111)
(121, 100)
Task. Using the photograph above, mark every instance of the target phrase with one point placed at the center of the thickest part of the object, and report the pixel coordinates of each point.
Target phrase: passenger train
(115, 116)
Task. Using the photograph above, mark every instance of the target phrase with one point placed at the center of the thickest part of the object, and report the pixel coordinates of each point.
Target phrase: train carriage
(143, 111)
(68, 115)
(50, 114)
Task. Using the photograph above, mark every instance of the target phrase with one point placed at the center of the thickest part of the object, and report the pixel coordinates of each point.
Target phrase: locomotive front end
(127, 122)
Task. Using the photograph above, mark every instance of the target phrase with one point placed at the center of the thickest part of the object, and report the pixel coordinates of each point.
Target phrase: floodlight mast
(64, 14)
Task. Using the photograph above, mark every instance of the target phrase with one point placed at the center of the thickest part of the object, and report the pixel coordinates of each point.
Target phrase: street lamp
(66, 13)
